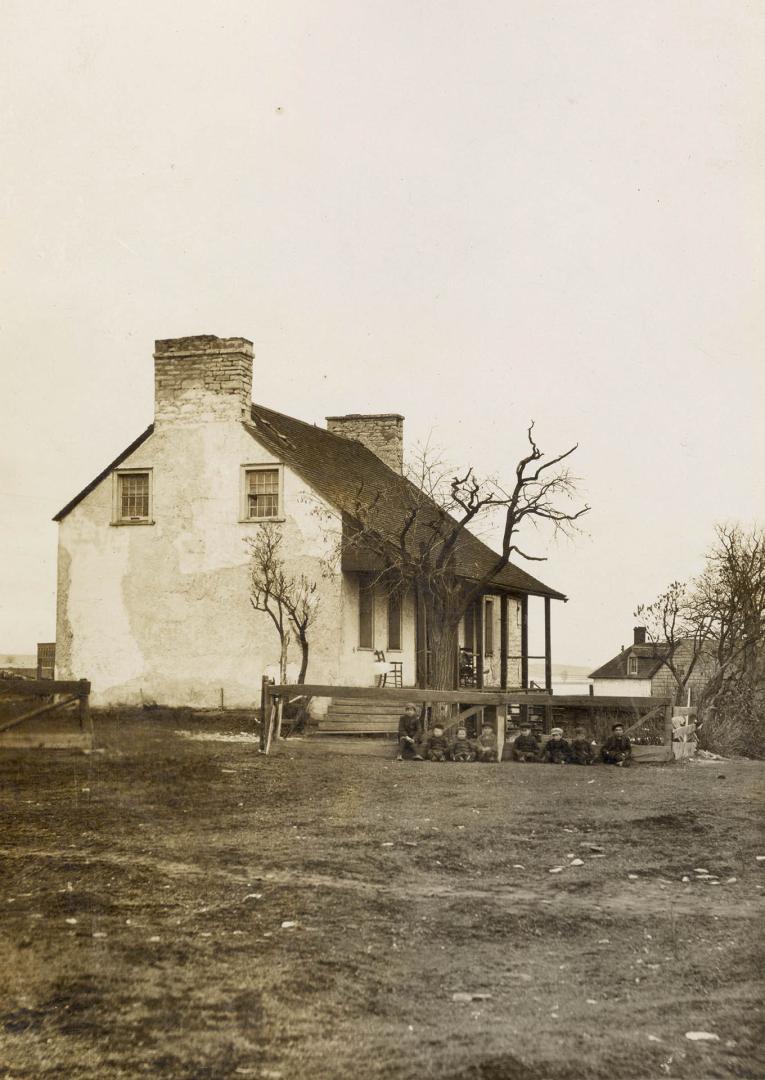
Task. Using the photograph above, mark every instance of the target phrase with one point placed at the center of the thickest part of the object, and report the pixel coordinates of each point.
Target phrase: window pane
(366, 615)
(263, 493)
(134, 495)
(394, 621)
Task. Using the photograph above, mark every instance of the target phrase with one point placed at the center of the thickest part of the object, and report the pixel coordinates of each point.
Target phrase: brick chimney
(202, 378)
(639, 633)
(382, 433)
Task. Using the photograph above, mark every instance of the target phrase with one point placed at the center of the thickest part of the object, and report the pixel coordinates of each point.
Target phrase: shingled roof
(650, 657)
(339, 469)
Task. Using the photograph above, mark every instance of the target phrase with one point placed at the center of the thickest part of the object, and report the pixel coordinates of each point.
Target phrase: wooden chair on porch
(392, 668)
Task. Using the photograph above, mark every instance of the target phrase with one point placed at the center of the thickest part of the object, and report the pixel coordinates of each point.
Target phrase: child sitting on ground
(437, 746)
(408, 732)
(556, 750)
(526, 746)
(486, 744)
(582, 752)
(463, 748)
(617, 749)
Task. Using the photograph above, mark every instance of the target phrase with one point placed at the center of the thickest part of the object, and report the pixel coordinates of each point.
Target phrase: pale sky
(473, 213)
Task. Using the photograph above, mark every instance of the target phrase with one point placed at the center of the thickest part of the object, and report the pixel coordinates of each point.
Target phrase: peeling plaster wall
(161, 612)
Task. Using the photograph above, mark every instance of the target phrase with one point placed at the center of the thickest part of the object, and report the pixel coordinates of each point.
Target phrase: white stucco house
(153, 573)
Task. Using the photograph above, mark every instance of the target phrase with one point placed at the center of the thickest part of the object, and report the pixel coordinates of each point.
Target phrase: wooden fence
(636, 713)
(64, 693)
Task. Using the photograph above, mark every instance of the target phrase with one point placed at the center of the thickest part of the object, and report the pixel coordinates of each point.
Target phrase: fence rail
(639, 709)
(78, 692)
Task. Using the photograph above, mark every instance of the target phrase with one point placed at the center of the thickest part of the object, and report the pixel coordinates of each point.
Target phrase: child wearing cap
(556, 750)
(617, 749)
(526, 746)
(437, 745)
(582, 752)
(463, 748)
(408, 733)
(486, 744)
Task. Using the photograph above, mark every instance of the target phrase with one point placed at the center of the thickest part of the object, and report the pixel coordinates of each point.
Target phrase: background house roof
(649, 657)
(342, 470)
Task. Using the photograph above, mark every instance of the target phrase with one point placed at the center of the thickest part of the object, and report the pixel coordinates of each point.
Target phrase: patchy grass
(144, 891)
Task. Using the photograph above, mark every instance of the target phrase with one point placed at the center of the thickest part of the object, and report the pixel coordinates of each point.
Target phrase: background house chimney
(202, 378)
(639, 635)
(383, 434)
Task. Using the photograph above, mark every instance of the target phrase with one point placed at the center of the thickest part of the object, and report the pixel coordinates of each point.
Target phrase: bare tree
(415, 535)
(715, 624)
(290, 600)
(730, 593)
(680, 631)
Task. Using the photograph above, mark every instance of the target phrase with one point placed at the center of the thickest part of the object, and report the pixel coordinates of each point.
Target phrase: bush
(737, 725)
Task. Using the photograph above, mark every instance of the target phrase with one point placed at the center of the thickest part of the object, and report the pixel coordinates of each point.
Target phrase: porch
(493, 645)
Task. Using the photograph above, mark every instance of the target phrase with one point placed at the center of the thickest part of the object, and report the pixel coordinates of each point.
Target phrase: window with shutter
(394, 621)
(366, 614)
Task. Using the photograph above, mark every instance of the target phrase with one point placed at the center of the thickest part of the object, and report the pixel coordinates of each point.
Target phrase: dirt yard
(190, 910)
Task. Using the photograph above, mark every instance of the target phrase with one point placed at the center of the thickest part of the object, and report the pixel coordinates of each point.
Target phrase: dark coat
(526, 744)
(556, 752)
(408, 725)
(617, 744)
(462, 749)
(582, 750)
(437, 746)
(486, 745)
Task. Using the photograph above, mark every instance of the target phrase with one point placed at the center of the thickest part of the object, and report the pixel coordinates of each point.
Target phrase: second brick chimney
(202, 378)
(382, 433)
(639, 633)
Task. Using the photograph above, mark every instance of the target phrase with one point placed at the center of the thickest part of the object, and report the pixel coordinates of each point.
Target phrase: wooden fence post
(84, 706)
(263, 711)
(548, 717)
(668, 712)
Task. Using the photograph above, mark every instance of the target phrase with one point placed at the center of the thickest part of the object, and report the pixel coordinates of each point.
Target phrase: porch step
(349, 716)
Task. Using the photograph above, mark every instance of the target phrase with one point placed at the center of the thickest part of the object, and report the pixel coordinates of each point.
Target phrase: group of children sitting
(616, 750)
(436, 745)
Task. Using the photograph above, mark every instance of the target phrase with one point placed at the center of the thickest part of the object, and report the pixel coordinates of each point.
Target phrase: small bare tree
(730, 592)
(413, 534)
(290, 600)
(680, 633)
(715, 624)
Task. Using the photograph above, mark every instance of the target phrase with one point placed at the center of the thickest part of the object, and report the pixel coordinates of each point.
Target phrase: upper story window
(632, 665)
(132, 503)
(261, 492)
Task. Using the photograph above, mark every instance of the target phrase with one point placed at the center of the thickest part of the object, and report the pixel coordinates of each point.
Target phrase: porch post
(548, 653)
(480, 635)
(525, 642)
(503, 604)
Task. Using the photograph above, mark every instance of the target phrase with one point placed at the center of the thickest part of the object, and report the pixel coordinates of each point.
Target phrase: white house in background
(153, 574)
(640, 669)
